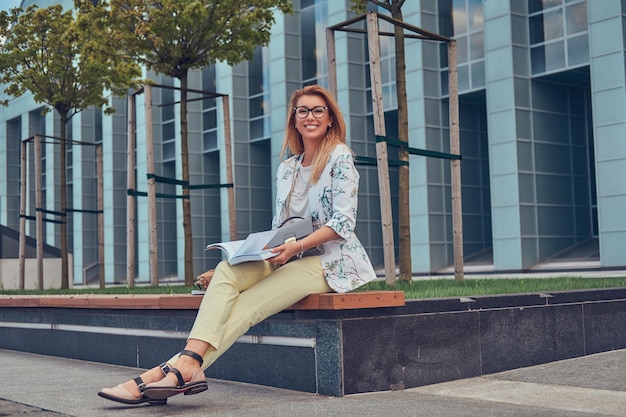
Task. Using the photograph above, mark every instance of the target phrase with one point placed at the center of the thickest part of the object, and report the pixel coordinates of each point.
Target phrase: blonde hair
(335, 134)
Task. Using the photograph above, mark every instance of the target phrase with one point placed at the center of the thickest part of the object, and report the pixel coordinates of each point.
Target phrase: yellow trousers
(243, 295)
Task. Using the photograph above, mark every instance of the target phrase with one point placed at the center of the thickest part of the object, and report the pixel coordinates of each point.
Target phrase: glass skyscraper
(542, 88)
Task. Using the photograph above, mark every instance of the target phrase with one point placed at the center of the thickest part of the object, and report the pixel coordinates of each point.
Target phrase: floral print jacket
(333, 203)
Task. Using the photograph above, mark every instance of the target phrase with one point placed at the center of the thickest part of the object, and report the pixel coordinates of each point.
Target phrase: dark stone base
(347, 351)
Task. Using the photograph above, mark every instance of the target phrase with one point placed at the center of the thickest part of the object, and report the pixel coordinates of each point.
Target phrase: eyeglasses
(303, 111)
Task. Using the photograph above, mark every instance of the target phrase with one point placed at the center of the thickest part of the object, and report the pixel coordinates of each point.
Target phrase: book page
(255, 243)
(229, 248)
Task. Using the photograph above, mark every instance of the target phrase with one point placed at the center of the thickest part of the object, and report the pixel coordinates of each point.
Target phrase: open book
(256, 247)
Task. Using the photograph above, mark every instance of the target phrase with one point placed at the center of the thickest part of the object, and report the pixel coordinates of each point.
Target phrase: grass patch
(437, 288)
(163, 289)
(419, 288)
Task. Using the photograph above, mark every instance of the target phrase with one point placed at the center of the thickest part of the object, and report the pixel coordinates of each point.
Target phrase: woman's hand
(203, 280)
(285, 252)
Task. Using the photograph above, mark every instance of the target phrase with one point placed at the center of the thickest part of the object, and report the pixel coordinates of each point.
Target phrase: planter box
(345, 351)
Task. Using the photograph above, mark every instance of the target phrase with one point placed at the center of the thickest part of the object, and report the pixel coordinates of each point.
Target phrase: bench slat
(331, 301)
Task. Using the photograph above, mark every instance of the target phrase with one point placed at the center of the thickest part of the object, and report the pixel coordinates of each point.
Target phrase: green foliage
(173, 36)
(65, 59)
(360, 6)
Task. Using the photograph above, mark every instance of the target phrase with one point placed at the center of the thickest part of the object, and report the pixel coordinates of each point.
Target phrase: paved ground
(44, 386)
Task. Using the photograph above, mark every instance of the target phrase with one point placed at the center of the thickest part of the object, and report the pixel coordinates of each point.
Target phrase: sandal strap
(140, 384)
(181, 381)
(165, 368)
(193, 355)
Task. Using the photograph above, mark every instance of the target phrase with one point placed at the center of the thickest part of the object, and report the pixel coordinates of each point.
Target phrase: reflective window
(459, 17)
(551, 25)
(209, 112)
(475, 14)
(467, 27)
(477, 43)
(313, 23)
(540, 5)
(168, 127)
(576, 18)
(578, 50)
(258, 91)
(388, 66)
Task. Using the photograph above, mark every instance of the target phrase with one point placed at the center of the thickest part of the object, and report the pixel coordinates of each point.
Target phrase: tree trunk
(404, 214)
(184, 156)
(63, 179)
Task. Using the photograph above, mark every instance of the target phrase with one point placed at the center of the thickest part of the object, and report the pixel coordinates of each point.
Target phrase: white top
(299, 202)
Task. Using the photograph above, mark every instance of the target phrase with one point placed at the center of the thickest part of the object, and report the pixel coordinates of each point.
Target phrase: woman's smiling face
(315, 123)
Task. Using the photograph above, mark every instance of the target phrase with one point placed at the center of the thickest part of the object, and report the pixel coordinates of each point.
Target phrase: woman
(320, 181)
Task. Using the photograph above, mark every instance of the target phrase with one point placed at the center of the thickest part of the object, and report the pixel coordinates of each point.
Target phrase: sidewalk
(595, 385)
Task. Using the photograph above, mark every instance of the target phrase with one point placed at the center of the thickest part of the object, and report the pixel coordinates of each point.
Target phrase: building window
(258, 96)
(467, 28)
(168, 121)
(558, 34)
(209, 112)
(313, 23)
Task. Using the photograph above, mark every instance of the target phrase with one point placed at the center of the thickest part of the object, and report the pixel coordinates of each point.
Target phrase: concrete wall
(10, 273)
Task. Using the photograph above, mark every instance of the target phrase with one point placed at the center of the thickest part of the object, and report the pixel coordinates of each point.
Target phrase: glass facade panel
(209, 118)
(554, 26)
(258, 92)
(555, 56)
(475, 14)
(576, 18)
(578, 50)
(209, 112)
(256, 107)
(477, 45)
(459, 16)
(539, 5)
(461, 49)
(210, 139)
(169, 151)
(313, 23)
(463, 75)
(307, 42)
(467, 25)
(535, 24)
(169, 131)
(478, 75)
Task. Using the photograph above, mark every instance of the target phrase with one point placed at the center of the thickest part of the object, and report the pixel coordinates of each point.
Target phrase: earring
(329, 126)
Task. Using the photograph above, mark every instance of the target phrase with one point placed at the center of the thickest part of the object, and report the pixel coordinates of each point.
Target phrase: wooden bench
(330, 301)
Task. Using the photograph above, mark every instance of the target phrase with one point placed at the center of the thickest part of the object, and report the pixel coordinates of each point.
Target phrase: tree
(172, 37)
(394, 7)
(66, 60)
